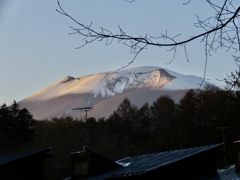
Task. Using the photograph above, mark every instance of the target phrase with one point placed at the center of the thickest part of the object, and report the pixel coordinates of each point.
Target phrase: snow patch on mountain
(106, 90)
(108, 84)
(117, 82)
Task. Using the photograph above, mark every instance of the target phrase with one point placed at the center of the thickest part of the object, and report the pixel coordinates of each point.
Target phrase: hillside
(104, 91)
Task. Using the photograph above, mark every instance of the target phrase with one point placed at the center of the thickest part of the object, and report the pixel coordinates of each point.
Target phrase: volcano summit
(105, 91)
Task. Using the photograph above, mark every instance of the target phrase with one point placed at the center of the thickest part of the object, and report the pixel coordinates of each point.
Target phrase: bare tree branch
(187, 2)
(129, 1)
(221, 30)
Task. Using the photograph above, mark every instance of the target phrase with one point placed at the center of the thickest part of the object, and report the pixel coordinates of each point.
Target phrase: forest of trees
(16, 127)
(161, 126)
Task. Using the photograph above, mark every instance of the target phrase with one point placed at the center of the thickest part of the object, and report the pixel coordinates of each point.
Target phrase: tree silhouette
(162, 111)
(186, 116)
(16, 124)
(144, 121)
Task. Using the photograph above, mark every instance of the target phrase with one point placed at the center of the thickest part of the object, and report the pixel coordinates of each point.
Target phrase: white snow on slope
(108, 84)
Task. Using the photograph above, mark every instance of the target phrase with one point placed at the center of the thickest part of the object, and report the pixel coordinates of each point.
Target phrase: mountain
(105, 91)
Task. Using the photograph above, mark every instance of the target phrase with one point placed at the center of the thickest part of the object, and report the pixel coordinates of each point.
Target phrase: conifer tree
(16, 124)
(162, 111)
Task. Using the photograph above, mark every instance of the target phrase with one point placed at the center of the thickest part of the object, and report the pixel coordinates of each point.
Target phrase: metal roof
(140, 164)
(144, 163)
(228, 173)
(14, 157)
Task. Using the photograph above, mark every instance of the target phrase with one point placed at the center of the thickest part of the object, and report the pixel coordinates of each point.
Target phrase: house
(27, 165)
(190, 163)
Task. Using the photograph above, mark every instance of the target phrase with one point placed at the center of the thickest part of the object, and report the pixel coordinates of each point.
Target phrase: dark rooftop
(140, 164)
(147, 162)
(14, 157)
(228, 173)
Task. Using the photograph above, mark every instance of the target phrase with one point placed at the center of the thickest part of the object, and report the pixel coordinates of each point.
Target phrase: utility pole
(224, 147)
(86, 109)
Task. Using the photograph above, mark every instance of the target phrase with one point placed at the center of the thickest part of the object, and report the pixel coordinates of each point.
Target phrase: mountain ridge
(149, 82)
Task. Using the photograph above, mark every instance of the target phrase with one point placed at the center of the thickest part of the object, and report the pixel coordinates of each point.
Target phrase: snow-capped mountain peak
(96, 88)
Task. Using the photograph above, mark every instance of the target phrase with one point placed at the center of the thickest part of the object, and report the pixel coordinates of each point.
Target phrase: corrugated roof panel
(148, 162)
(14, 157)
(228, 173)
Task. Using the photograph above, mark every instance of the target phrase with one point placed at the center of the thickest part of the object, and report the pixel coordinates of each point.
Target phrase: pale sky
(36, 50)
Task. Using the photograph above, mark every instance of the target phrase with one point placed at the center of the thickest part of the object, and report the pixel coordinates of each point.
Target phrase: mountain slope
(104, 91)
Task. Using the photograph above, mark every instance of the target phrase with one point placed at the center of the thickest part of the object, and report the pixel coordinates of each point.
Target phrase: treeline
(196, 120)
(16, 127)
